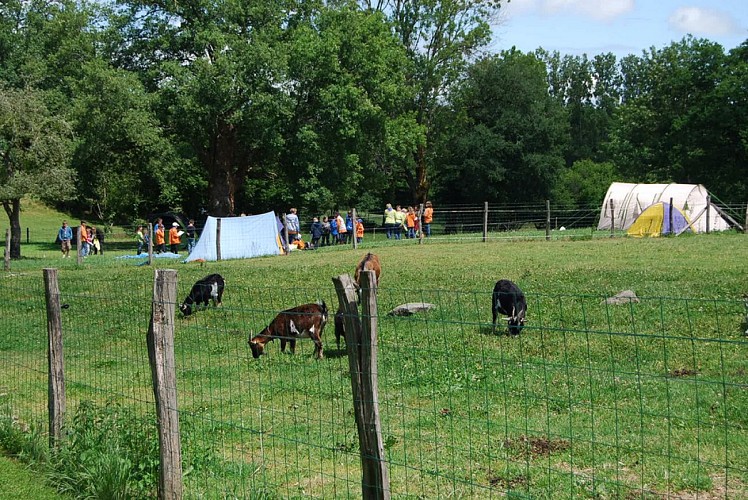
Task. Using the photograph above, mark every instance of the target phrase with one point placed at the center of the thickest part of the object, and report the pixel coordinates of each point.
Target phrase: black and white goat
(510, 301)
(203, 291)
(304, 321)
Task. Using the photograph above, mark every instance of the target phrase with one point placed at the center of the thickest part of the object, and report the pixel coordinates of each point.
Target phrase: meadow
(640, 400)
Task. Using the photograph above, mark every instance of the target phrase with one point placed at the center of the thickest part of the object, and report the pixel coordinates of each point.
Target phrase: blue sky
(618, 26)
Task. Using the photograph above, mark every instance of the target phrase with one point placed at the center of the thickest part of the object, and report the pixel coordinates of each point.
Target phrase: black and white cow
(510, 301)
(203, 291)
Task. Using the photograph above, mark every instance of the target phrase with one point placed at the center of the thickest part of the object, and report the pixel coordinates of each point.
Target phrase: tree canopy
(230, 106)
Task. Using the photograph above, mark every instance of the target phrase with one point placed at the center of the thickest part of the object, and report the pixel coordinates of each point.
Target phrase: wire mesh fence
(646, 398)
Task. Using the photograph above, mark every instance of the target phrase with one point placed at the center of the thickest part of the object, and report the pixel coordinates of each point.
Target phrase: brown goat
(369, 262)
(304, 321)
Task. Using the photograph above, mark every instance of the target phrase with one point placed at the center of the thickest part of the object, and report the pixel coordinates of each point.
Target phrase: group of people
(327, 231)
(400, 220)
(160, 236)
(92, 239)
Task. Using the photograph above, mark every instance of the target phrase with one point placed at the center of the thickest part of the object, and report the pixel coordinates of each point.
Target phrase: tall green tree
(440, 37)
(218, 69)
(349, 89)
(512, 135)
(35, 149)
(126, 165)
(682, 119)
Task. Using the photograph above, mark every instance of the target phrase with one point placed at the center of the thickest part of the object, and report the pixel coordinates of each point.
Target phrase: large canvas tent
(660, 218)
(630, 200)
(240, 238)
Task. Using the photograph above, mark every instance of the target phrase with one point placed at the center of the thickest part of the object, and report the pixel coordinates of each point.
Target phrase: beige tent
(630, 200)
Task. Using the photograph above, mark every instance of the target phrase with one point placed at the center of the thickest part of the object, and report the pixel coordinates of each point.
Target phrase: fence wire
(642, 399)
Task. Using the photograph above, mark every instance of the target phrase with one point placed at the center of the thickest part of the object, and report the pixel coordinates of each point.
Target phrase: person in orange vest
(159, 236)
(174, 237)
(428, 216)
(359, 230)
(410, 222)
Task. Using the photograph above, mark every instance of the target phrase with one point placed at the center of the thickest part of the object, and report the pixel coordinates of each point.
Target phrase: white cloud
(697, 21)
(601, 10)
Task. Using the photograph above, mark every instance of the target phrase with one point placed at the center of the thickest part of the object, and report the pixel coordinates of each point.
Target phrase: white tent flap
(241, 238)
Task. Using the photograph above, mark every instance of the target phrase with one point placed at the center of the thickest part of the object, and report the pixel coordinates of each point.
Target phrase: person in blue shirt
(65, 235)
(349, 227)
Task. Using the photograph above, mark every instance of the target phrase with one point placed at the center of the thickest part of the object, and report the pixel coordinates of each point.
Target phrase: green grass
(641, 400)
(16, 481)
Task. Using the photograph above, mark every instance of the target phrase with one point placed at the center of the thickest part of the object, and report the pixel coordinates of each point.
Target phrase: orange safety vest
(174, 236)
(160, 236)
(428, 215)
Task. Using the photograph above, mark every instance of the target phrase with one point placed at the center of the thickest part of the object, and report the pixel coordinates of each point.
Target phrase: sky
(623, 27)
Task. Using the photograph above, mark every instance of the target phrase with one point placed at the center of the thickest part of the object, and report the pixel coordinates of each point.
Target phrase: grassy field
(642, 400)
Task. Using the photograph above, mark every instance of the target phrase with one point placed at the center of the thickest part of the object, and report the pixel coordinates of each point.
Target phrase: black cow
(203, 291)
(509, 300)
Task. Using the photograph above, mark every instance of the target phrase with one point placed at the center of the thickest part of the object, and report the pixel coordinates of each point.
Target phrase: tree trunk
(227, 163)
(13, 209)
(422, 182)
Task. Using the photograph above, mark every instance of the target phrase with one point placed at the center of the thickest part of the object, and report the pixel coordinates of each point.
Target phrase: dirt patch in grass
(508, 483)
(533, 447)
(683, 372)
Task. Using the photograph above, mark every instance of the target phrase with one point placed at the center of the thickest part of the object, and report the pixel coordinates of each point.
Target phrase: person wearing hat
(174, 237)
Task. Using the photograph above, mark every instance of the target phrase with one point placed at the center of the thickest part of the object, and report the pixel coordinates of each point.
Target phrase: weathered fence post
(612, 220)
(670, 216)
(708, 212)
(7, 249)
(286, 243)
(361, 342)
(56, 374)
(485, 221)
(420, 224)
(218, 239)
(79, 245)
(745, 226)
(160, 342)
(150, 243)
(547, 220)
(355, 228)
(28, 236)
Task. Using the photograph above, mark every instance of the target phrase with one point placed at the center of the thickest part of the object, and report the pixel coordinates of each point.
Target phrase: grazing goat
(509, 300)
(369, 262)
(304, 321)
(204, 290)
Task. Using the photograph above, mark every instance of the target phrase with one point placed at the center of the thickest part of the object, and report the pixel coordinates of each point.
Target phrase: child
(316, 232)
(359, 230)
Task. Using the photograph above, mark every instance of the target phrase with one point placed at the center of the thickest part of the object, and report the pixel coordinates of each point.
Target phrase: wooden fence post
(56, 374)
(361, 342)
(79, 245)
(485, 221)
(547, 220)
(355, 228)
(420, 224)
(287, 243)
(745, 226)
(670, 216)
(708, 212)
(612, 220)
(160, 340)
(150, 243)
(7, 249)
(218, 239)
